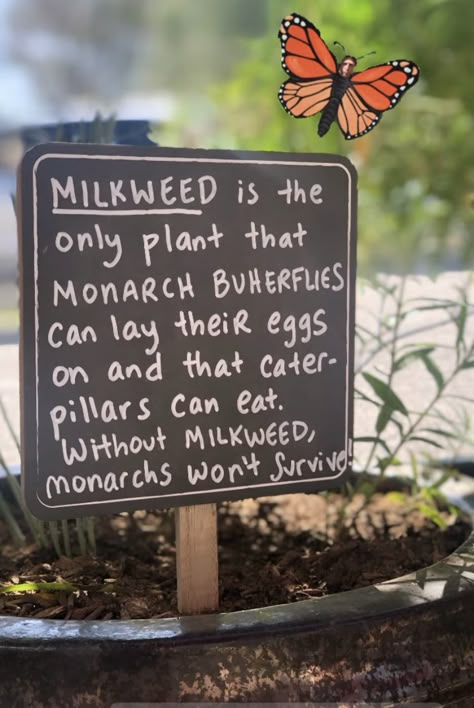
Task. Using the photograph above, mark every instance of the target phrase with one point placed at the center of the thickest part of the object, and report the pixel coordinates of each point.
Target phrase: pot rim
(408, 593)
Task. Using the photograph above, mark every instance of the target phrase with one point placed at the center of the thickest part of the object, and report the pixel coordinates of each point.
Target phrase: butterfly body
(318, 84)
(329, 113)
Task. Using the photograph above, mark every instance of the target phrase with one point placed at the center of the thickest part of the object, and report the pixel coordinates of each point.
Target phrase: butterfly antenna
(366, 55)
(340, 45)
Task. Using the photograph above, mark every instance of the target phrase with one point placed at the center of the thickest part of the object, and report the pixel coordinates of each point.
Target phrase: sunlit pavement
(413, 385)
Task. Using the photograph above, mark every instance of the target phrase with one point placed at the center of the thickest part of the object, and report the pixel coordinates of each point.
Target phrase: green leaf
(385, 393)
(458, 397)
(384, 462)
(38, 587)
(433, 370)
(366, 488)
(383, 418)
(397, 497)
(409, 357)
(410, 346)
(373, 439)
(434, 495)
(366, 330)
(398, 424)
(364, 397)
(388, 461)
(438, 431)
(385, 287)
(439, 306)
(461, 320)
(455, 512)
(420, 438)
(433, 514)
(435, 303)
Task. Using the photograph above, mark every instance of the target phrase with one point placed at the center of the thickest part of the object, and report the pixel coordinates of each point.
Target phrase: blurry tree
(102, 48)
(194, 43)
(79, 48)
(416, 168)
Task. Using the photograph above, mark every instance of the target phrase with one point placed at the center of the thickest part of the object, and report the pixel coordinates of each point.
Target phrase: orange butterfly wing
(355, 118)
(305, 99)
(372, 92)
(310, 64)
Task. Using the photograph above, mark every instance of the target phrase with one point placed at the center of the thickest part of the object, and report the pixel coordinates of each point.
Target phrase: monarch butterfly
(318, 83)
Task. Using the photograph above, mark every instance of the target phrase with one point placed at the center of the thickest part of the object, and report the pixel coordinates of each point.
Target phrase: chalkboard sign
(187, 325)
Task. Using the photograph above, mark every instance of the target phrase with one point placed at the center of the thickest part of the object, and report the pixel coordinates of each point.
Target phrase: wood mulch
(271, 551)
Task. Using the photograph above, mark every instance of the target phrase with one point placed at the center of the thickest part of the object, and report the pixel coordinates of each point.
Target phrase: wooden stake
(196, 558)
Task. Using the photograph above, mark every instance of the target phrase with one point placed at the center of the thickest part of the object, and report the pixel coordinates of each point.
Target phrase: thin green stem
(41, 529)
(6, 418)
(33, 524)
(66, 537)
(384, 343)
(393, 357)
(90, 530)
(16, 532)
(53, 530)
(423, 414)
(81, 537)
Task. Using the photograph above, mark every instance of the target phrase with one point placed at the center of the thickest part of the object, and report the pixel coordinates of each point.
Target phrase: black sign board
(187, 325)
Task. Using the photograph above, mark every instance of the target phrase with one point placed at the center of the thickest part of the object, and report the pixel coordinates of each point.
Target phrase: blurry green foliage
(199, 41)
(221, 59)
(416, 170)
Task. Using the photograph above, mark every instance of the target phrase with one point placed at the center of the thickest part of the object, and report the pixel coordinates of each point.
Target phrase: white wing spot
(397, 95)
(411, 80)
(303, 24)
(287, 24)
(284, 36)
(407, 70)
(297, 20)
(394, 63)
(402, 88)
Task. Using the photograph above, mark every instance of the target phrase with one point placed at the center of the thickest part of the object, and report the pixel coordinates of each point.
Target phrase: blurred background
(207, 73)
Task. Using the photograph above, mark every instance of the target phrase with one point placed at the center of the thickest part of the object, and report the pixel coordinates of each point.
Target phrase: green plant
(395, 347)
(415, 177)
(426, 498)
(45, 535)
(67, 536)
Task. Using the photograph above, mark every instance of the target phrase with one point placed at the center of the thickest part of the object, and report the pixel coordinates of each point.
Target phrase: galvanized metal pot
(409, 639)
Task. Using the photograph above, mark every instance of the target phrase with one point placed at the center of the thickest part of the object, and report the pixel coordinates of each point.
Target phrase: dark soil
(271, 551)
